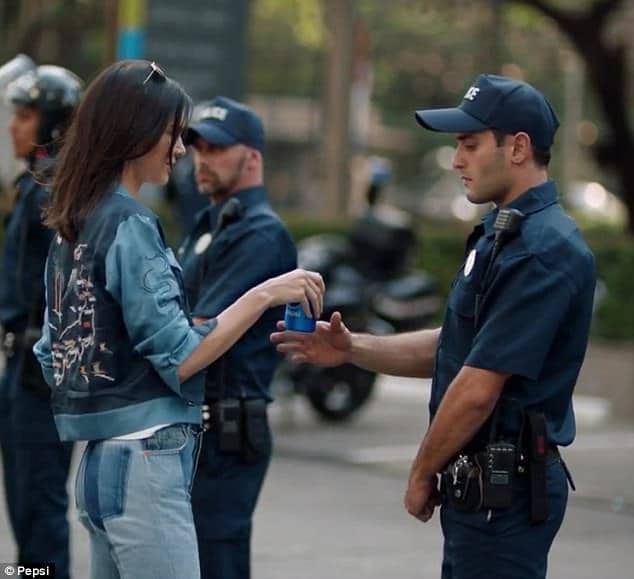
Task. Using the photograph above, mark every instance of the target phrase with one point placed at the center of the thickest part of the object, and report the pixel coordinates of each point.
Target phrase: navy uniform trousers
(504, 545)
(35, 468)
(224, 496)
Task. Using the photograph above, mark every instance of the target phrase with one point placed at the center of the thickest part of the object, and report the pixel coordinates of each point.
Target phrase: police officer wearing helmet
(36, 463)
(505, 362)
(237, 242)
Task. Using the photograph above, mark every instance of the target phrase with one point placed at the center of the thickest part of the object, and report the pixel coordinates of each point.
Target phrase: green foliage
(302, 18)
(69, 33)
(302, 227)
(422, 54)
(425, 54)
(615, 268)
(441, 254)
(286, 47)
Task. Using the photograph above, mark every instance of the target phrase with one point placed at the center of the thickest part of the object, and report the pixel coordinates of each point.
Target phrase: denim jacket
(117, 327)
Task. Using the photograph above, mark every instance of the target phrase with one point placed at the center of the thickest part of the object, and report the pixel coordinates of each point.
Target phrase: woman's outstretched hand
(297, 286)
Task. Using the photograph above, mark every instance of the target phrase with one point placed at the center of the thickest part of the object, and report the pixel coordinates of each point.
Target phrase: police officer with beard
(35, 462)
(237, 242)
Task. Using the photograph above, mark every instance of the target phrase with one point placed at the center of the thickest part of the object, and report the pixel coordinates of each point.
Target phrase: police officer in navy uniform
(505, 362)
(237, 242)
(35, 462)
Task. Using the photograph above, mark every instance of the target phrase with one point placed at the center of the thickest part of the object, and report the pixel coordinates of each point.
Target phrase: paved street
(348, 520)
(332, 507)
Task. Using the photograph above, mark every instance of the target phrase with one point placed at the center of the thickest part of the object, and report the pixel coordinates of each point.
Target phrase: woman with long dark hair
(118, 348)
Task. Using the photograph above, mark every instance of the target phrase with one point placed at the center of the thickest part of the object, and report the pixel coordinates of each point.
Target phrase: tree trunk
(607, 71)
(336, 139)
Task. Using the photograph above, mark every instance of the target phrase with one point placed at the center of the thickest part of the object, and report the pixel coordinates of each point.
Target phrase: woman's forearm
(232, 324)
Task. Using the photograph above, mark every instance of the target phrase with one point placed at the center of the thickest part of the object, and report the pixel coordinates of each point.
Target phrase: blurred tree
(287, 47)
(424, 53)
(69, 33)
(591, 31)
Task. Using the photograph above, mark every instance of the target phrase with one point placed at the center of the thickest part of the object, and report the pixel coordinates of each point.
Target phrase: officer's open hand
(422, 497)
(329, 345)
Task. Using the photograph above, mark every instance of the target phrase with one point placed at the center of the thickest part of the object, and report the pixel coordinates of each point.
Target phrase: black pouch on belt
(537, 453)
(498, 463)
(256, 438)
(230, 426)
(461, 483)
(225, 415)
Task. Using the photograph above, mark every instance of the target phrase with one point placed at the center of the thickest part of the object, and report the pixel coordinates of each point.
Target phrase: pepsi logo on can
(296, 320)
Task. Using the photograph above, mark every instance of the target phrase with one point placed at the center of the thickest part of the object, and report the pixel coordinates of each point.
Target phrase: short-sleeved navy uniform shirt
(535, 320)
(217, 271)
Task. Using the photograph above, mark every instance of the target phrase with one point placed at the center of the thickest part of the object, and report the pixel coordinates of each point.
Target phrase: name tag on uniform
(202, 244)
(471, 259)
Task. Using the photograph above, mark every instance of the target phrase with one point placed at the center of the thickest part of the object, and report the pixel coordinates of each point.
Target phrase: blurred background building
(337, 81)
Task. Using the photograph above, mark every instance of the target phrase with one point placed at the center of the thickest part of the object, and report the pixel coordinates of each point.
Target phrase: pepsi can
(296, 320)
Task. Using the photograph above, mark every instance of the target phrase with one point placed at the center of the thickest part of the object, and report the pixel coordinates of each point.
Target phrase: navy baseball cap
(225, 122)
(497, 102)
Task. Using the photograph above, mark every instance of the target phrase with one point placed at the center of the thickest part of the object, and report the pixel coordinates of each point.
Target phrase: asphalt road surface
(332, 504)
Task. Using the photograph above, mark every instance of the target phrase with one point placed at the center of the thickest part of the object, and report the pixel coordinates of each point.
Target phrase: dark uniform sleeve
(38, 241)
(239, 263)
(521, 315)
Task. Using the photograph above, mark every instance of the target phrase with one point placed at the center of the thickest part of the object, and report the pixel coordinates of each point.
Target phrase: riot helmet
(51, 90)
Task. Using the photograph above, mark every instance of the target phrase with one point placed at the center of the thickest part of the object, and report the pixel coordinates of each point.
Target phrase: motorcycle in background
(369, 279)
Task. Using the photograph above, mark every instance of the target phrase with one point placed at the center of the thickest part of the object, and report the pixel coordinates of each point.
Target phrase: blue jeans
(134, 498)
(507, 546)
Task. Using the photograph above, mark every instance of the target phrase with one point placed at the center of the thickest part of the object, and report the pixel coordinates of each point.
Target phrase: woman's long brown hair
(121, 117)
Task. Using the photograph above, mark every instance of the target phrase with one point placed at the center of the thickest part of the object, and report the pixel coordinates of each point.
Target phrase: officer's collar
(201, 214)
(251, 196)
(247, 197)
(532, 200)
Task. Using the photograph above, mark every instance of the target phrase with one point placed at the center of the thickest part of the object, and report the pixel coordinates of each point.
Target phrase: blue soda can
(296, 320)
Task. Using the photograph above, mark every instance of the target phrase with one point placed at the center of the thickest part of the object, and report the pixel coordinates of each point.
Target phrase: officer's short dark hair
(541, 157)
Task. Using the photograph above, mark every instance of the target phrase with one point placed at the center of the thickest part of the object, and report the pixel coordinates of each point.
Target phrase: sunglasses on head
(154, 69)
